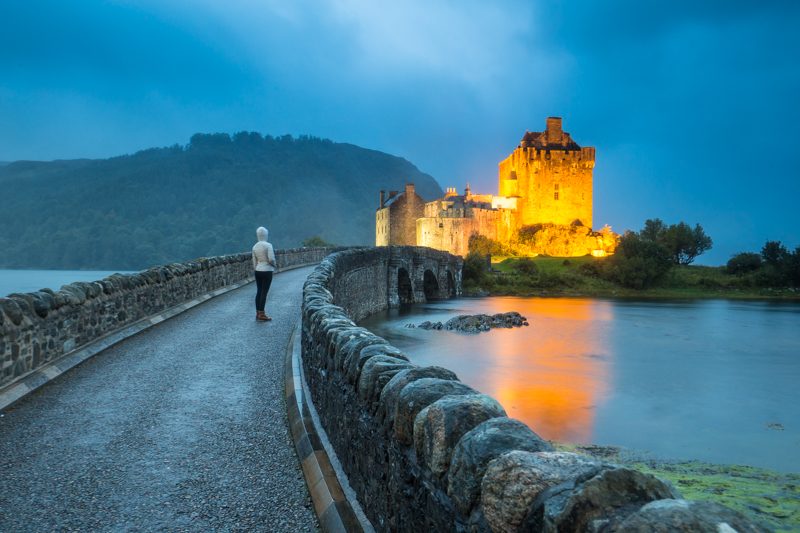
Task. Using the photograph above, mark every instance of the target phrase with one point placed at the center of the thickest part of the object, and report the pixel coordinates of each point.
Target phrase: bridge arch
(405, 290)
(430, 285)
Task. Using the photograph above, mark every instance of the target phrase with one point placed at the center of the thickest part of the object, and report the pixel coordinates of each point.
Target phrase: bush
(592, 269)
(476, 268)
(525, 266)
(483, 245)
(743, 263)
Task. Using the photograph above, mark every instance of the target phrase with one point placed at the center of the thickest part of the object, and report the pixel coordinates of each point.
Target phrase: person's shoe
(261, 317)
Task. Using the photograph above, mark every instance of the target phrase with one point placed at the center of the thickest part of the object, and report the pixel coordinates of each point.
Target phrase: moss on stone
(765, 496)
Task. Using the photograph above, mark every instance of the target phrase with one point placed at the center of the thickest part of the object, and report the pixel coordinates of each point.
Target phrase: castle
(544, 186)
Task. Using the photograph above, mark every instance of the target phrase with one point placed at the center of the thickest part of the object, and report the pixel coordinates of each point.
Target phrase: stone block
(477, 448)
(375, 374)
(391, 392)
(515, 480)
(418, 395)
(438, 427)
(583, 504)
(361, 352)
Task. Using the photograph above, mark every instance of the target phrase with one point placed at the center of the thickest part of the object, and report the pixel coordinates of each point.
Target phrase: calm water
(717, 381)
(33, 280)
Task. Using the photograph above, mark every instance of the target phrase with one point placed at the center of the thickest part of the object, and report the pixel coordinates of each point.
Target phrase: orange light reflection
(554, 382)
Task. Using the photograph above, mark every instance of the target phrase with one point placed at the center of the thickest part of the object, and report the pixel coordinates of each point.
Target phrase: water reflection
(708, 380)
(557, 380)
(552, 377)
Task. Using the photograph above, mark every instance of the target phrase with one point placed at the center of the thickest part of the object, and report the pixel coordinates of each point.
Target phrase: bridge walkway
(180, 428)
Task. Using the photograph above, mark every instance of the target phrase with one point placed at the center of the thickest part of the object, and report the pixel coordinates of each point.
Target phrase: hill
(205, 198)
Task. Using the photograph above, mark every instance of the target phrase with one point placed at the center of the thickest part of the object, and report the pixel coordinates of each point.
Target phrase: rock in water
(476, 323)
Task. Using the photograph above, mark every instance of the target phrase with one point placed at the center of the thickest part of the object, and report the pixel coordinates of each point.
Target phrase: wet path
(179, 428)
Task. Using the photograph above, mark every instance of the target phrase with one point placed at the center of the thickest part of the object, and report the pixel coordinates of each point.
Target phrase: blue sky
(692, 105)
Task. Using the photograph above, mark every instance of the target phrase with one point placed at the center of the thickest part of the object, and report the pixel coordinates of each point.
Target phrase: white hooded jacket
(263, 254)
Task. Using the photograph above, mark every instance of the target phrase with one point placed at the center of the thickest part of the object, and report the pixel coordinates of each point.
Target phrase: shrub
(525, 266)
(476, 268)
(592, 269)
(483, 245)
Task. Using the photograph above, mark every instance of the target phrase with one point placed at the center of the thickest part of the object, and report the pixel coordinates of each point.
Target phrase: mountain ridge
(204, 198)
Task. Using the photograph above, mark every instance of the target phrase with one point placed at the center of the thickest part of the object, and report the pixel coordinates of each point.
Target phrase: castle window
(555, 192)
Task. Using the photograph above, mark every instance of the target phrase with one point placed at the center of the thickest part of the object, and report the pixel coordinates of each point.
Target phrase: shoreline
(765, 496)
(633, 294)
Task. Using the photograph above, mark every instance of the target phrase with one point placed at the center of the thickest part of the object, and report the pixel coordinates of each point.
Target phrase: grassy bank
(765, 496)
(578, 276)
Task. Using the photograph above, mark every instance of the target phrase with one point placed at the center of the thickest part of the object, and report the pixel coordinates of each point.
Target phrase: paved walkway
(180, 428)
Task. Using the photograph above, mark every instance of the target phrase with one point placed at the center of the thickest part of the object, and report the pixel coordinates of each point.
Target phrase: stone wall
(38, 328)
(425, 452)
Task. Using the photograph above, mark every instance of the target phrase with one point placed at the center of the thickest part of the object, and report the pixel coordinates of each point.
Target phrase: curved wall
(425, 452)
(38, 328)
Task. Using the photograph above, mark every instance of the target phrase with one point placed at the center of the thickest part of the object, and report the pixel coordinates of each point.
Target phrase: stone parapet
(40, 327)
(425, 452)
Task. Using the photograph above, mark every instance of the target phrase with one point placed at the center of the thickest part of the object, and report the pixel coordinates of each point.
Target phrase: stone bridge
(205, 421)
(416, 277)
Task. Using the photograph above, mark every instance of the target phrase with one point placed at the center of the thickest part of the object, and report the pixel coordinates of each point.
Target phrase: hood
(262, 234)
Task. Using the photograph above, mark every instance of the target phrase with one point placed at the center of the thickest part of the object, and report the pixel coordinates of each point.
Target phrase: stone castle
(544, 186)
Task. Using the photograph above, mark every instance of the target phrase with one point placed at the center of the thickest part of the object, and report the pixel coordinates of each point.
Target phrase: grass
(764, 496)
(558, 276)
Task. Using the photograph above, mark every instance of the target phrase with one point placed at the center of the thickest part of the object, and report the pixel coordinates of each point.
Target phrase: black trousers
(263, 282)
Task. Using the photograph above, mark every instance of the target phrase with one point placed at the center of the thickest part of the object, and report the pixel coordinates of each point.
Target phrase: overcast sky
(692, 106)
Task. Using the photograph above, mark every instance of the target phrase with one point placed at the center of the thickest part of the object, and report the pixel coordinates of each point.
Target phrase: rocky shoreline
(476, 323)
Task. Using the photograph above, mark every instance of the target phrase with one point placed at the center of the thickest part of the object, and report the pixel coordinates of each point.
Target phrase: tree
(653, 230)
(316, 242)
(774, 253)
(683, 243)
(639, 263)
(743, 263)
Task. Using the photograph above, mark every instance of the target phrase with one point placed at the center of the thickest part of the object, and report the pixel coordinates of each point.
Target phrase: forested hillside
(206, 198)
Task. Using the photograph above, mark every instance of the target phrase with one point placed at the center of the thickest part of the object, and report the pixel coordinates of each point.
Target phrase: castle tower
(396, 217)
(551, 175)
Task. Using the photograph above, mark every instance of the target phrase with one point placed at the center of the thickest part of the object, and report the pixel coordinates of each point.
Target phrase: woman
(264, 265)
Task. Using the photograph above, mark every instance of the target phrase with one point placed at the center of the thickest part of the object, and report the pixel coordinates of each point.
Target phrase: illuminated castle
(545, 184)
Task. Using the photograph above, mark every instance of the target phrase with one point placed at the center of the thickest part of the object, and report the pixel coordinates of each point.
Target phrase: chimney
(409, 189)
(554, 131)
(383, 198)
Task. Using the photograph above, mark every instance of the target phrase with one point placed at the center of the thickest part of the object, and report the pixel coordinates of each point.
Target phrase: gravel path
(180, 428)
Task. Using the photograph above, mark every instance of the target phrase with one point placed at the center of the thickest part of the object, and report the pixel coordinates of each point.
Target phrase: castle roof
(552, 138)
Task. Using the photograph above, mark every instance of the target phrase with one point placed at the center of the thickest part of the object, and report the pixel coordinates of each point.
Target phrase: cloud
(688, 103)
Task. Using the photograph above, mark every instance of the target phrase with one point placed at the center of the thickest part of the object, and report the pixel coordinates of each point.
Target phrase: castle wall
(451, 234)
(555, 186)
